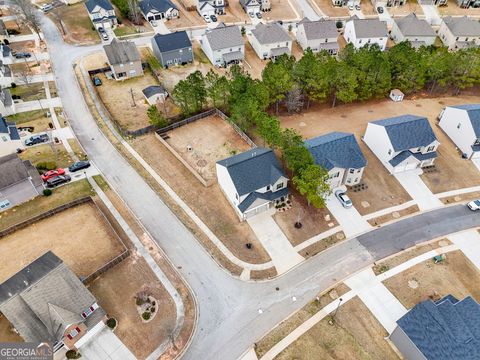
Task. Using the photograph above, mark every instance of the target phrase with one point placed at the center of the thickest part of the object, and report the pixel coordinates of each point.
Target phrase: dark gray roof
(410, 25)
(9, 128)
(369, 28)
(408, 131)
(269, 195)
(6, 51)
(153, 90)
(104, 4)
(270, 33)
(253, 169)
(121, 52)
(12, 170)
(224, 37)
(445, 330)
(320, 29)
(406, 154)
(162, 6)
(336, 149)
(462, 26)
(473, 111)
(6, 97)
(173, 41)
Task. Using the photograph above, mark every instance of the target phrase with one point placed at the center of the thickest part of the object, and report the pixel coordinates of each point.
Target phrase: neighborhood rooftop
(159, 5)
(473, 111)
(153, 90)
(253, 169)
(446, 329)
(410, 25)
(270, 33)
(369, 28)
(407, 131)
(320, 29)
(121, 52)
(9, 128)
(336, 149)
(12, 170)
(462, 26)
(172, 41)
(92, 4)
(224, 36)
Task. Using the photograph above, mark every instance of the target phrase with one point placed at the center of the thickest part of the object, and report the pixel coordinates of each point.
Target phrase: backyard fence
(115, 261)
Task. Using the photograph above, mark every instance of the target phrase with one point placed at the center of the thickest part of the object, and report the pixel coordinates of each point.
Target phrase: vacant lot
(80, 236)
(208, 203)
(281, 10)
(383, 190)
(456, 275)
(356, 334)
(76, 24)
(33, 91)
(47, 153)
(116, 290)
(204, 142)
(186, 19)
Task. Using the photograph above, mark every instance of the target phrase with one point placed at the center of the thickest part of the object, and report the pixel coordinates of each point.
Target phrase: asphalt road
(229, 320)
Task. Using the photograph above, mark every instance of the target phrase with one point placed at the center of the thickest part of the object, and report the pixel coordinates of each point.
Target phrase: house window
(279, 186)
(268, 187)
(286, 44)
(477, 142)
(458, 126)
(73, 333)
(351, 171)
(456, 39)
(231, 49)
(349, 181)
(390, 152)
(360, 41)
(358, 170)
(4, 204)
(430, 148)
(356, 179)
(326, 40)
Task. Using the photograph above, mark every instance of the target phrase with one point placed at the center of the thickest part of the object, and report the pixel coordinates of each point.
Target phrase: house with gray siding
(459, 32)
(411, 28)
(124, 59)
(101, 13)
(223, 45)
(173, 49)
(318, 35)
(158, 9)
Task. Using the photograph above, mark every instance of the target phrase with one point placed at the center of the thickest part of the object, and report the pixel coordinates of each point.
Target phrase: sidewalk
(37, 105)
(469, 244)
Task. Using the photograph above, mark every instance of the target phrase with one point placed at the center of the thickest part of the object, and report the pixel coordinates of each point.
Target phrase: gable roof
(267, 196)
(173, 41)
(104, 4)
(12, 170)
(446, 329)
(270, 33)
(121, 52)
(407, 131)
(462, 26)
(9, 128)
(153, 90)
(320, 29)
(473, 111)
(410, 25)
(369, 28)
(336, 149)
(253, 169)
(147, 6)
(224, 37)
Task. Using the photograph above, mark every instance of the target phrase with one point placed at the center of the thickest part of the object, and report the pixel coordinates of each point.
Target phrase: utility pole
(133, 98)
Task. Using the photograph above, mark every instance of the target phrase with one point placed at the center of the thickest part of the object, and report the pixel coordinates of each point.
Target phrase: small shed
(396, 95)
(154, 94)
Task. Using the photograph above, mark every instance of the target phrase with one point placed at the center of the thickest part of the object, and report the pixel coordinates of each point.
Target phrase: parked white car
(46, 7)
(474, 205)
(343, 198)
(207, 18)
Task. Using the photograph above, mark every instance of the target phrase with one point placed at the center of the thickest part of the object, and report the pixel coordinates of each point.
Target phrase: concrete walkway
(379, 300)
(272, 238)
(416, 188)
(469, 243)
(457, 192)
(41, 104)
(389, 210)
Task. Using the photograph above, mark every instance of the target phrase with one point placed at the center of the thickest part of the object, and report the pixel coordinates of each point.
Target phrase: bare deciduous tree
(24, 76)
(134, 12)
(27, 13)
(294, 100)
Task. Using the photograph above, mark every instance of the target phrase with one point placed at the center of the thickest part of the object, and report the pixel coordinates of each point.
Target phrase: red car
(52, 173)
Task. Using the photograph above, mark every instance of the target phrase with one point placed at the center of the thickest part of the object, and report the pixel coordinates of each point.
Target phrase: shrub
(72, 354)
(111, 323)
(156, 118)
(139, 301)
(47, 192)
(15, 97)
(146, 315)
(13, 85)
(46, 165)
(339, 24)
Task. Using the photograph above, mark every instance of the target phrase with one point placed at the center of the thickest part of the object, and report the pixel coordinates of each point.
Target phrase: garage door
(411, 166)
(256, 211)
(107, 25)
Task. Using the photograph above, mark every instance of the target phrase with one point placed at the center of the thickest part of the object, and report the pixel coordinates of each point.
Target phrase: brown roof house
(46, 302)
(124, 59)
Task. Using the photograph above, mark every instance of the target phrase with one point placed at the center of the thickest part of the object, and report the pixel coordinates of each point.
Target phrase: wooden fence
(115, 261)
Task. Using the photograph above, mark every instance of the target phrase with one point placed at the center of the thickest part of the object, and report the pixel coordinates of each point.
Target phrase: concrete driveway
(350, 220)
(106, 346)
(385, 16)
(431, 15)
(416, 188)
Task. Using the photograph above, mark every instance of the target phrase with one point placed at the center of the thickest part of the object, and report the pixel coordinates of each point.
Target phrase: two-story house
(210, 7)
(318, 35)
(252, 181)
(462, 125)
(361, 32)
(270, 40)
(9, 138)
(101, 13)
(433, 2)
(6, 76)
(413, 29)
(223, 45)
(172, 49)
(402, 143)
(459, 32)
(124, 59)
(340, 155)
(468, 3)
(251, 7)
(158, 9)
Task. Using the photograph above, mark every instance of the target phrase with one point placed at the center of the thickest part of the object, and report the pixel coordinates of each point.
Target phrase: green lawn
(29, 92)
(101, 182)
(47, 153)
(123, 30)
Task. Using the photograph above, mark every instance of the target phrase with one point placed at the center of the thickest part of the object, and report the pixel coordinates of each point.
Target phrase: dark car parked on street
(79, 165)
(58, 180)
(36, 139)
(23, 55)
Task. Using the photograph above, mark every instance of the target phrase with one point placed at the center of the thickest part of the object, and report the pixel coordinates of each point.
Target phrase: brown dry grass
(187, 18)
(367, 8)
(411, 6)
(453, 9)
(263, 274)
(456, 275)
(332, 11)
(254, 65)
(116, 290)
(77, 24)
(461, 198)
(49, 152)
(6, 334)
(356, 334)
(390, 217)
(322, 245)
(281, 10)
(13, 25)
(84, 245)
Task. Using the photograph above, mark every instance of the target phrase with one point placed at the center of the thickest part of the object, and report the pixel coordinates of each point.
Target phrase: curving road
(229, 320)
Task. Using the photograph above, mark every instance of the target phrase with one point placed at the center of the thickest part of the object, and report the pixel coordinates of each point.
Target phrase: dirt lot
(133, 276)
(328, 9)
(367, 8)
(281, 10)
(84, 245)
(211, 139)
(187, 18)
(208, 203)
(456, 275)
(76, 23)
(30, 68)
(13, 25)
(453, 9)
(383, 189)
(356, 334)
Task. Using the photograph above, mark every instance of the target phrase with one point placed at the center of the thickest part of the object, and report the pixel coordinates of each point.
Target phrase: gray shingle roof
(6, 97)
(104, 4)
(173, 41)
(462, 26)
(121, 52)
(153, 90)
(9, 128)
(156, 5)
(320, 29)
(406, 154)
(408, 131)
(269, 196)
(410, 25)
(224, 37)
(369, 28)
(270, 33)
(253, 169)
(445, 330)
(336, 149)
(12, 170)
(473, 111)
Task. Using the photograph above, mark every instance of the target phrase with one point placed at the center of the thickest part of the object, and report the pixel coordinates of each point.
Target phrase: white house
(361, 32)
(101, 13)
(459, 32)
(462, 124)
(252, 181)
(223, 45)
(155, 94)
(9, 138)
(318, 35)
(340, 155)
(402, 143)
(211, 7)
(413, 29)
(158, 9)
(7, 106)
(251, 7)
(6, 54)
(6, 76)
(270, 41)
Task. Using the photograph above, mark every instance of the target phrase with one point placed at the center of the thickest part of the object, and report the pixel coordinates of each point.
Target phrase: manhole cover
(413, 284)
(396, 214)
(365, 204)
(302, 124)
(202, 163)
